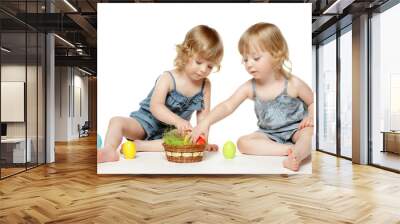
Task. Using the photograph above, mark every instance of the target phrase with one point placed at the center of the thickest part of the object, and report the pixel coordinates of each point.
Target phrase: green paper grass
(173, 138)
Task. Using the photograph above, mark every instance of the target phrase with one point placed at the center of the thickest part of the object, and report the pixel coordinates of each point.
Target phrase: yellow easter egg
(129, 149)
(186, 140)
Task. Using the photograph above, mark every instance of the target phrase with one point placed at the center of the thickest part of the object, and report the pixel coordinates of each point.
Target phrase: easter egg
(186, 140)
(229, 150)
(129, 149)
(99, 141)
(201, 140)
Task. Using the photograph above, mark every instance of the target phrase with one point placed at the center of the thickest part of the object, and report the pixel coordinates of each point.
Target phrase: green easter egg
(229, 150)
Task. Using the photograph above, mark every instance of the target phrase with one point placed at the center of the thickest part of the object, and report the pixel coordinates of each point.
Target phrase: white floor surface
(213, 163)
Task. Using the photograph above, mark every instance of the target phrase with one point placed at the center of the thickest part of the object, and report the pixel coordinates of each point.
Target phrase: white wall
(81, 83)
(33, 127)
(61, 103)
(68, 81)
(16, 73)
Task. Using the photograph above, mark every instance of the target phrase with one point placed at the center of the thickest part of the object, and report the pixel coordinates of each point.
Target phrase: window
(22, 65)
(385, 89)
(327, 96)
(346, 75)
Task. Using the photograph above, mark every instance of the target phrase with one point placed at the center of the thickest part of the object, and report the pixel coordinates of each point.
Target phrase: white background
(136, 43)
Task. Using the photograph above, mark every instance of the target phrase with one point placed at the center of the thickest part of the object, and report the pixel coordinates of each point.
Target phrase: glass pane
(31, 101)
(346, 94)
(327, 97)
(385, 89)
(13, 87)
(41, 98)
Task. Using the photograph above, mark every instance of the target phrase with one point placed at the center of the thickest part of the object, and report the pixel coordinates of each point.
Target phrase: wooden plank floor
(10, 171)
(70, 191)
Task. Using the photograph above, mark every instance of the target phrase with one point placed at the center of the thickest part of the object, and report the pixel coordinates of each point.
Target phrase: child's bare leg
(149, 146)
(301, 149)
(258, 143)
(303, 141)
(118, 127)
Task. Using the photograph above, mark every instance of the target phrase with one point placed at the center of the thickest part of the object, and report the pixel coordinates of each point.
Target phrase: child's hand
(200, 129)
(211, 148)
(183, 126)
(308, 121)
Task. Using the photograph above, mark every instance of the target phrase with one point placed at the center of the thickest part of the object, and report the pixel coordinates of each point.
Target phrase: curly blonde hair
(200, 41)
(268, 37)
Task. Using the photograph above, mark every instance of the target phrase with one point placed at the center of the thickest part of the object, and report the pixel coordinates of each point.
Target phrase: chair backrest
(86, 125)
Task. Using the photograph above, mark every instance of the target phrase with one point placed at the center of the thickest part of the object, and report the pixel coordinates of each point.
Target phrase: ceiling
(76, 22)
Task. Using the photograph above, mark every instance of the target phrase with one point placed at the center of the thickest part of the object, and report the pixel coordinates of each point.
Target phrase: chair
(84, 130)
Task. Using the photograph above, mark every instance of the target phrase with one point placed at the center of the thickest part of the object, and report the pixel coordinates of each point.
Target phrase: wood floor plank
(70, 191)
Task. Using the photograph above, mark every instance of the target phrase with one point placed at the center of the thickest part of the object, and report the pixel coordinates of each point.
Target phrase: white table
(213, 163)
(19, 149)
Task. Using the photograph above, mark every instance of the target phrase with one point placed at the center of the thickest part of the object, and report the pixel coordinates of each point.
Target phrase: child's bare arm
(158, 108)
(223, 109)
(206, 104)
(306, 94)
(204, 112)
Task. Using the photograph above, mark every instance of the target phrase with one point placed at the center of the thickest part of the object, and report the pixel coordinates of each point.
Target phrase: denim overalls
(179, 104)
(279, 118)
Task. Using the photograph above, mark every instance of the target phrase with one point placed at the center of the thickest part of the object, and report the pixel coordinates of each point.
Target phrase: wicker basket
(184, 154)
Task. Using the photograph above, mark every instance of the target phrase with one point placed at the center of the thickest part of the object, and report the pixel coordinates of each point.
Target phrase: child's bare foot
(291, 162)
(107, 155)
(212, 147)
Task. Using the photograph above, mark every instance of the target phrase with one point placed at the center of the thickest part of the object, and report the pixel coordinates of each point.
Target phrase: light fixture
(64, 40)
(70, 5)
(84, 71)
(337, 7)
(80, 51)
(5, 50)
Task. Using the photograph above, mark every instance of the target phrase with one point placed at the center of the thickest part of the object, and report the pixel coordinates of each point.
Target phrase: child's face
(258, 63)
(198, 68)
